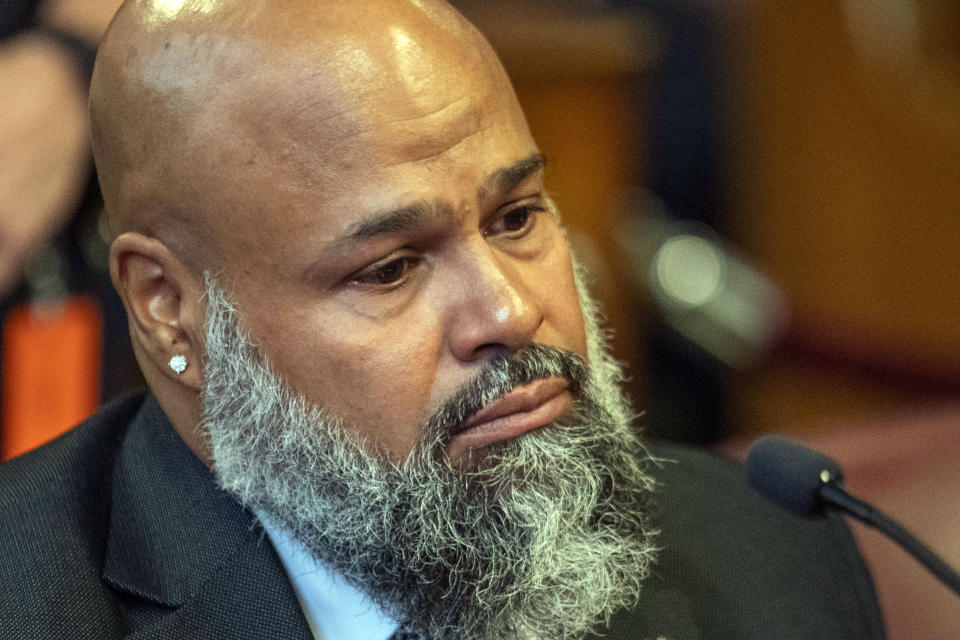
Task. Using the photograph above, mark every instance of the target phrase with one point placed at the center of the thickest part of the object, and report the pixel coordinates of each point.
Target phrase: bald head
(196, 103)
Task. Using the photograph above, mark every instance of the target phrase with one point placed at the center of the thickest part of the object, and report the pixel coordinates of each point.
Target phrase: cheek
(562, 311)
(374, 377)
(378, 380)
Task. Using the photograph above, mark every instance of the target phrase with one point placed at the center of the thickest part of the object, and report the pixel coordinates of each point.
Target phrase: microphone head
(789, 474)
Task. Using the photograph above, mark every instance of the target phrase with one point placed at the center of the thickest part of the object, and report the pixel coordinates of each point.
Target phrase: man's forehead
(309, 96)
(361, 107)
(305, 63)
(410, 117)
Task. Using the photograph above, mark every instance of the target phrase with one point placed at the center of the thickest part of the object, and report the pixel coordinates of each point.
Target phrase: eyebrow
(397, 221)
(509, 178)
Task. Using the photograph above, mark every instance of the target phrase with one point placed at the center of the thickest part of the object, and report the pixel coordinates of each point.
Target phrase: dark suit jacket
(117, 530)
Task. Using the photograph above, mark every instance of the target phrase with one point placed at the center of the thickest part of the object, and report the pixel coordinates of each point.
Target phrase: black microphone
(808, 483)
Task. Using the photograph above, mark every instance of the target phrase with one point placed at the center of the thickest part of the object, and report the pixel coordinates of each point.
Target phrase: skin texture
(234, 138)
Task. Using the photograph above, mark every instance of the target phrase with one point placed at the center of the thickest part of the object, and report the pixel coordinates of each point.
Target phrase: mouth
(523, 409)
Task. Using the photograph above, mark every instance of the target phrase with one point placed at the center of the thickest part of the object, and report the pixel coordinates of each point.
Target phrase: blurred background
(768, 196)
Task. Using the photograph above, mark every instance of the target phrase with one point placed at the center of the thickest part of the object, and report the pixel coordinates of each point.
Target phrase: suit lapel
(195, 562)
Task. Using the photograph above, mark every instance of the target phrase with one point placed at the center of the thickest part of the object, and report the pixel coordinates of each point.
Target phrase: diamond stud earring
(178, 363)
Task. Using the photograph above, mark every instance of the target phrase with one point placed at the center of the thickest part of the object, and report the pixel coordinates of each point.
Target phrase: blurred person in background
(64, 343)
(46, 56)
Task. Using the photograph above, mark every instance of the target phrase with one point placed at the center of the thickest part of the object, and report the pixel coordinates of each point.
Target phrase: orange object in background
(51, 371)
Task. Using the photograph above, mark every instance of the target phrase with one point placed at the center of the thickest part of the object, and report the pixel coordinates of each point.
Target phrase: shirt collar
(334, 609)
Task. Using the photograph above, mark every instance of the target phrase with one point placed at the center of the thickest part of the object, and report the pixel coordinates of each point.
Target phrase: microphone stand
(833, 494)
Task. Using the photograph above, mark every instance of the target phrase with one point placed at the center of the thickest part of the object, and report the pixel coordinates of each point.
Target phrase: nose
(492, 308)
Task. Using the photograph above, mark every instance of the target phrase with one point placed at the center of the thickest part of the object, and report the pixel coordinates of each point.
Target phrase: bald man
(380, 402)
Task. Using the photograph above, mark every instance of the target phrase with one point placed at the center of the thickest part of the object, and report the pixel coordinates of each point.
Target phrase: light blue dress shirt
(334, 609)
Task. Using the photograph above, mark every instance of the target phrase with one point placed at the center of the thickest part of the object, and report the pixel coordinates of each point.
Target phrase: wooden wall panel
(848, 193)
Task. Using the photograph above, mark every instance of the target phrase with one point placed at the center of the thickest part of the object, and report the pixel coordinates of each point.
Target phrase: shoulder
(744, 568)
(54, 512)
(69, 464)
(698, 485)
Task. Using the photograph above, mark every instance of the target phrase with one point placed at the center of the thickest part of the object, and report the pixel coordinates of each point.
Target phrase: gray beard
(544, 536)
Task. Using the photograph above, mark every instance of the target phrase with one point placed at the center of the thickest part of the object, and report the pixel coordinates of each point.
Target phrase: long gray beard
(544, 537)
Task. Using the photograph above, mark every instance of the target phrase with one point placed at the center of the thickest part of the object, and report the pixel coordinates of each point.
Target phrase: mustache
(500, 375)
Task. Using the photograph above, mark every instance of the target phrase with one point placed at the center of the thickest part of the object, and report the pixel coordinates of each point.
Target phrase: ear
(162, 298)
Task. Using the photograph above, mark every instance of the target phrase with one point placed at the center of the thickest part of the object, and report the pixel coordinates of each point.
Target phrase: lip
(523, 409)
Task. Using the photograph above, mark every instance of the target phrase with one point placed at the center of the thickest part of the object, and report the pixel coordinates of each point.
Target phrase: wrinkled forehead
(402, 98)
(365, 129)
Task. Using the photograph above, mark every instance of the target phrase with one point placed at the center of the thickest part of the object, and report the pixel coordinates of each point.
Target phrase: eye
(386, 274)
(515, 223)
